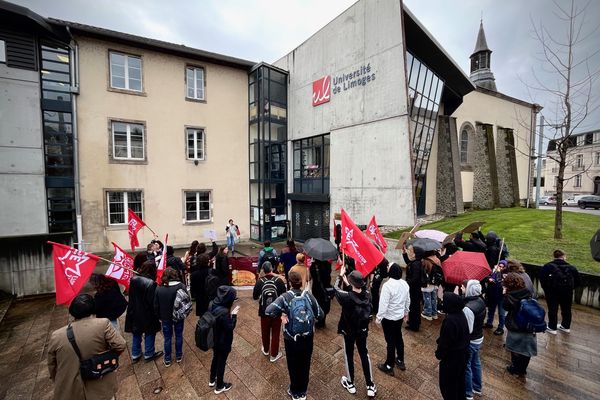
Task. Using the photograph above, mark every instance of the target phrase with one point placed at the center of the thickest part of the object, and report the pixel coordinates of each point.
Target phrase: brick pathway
(567, 366)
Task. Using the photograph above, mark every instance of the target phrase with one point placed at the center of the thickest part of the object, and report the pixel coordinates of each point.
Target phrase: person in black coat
(222, 266)
(197, 284)
(223, 334)
(416, 278)
(452, 348)
(320, 273)
(109, 301)
(141, 320)
(474, 244)
(176, 263)
(379, 274)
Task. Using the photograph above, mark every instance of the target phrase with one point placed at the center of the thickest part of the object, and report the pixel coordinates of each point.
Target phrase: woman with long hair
(110, 302)
(164, 300)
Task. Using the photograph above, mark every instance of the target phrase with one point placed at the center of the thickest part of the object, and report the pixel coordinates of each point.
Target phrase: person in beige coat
(93, 336)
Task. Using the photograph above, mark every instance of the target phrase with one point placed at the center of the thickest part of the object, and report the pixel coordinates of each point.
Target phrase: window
(580, 140)
(2, 51)
(464, 146)
(127, 141)
(194, 78)
(195, 144)
(597, 158)
(125, 72)
(596, 137)
(579, 161)
(118, 202)
(577, 183)
(197, 206)
(311, 164)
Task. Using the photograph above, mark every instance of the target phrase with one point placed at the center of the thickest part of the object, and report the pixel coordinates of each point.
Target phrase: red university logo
(321, 91)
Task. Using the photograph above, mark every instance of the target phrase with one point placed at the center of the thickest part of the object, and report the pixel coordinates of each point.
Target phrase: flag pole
(500, 254)
(97, 256)
(154, 233)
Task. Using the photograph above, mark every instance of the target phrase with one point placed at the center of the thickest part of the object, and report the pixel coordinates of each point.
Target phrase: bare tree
(568, 80)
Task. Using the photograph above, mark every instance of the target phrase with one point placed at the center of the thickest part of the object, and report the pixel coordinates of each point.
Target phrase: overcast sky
(265, 30)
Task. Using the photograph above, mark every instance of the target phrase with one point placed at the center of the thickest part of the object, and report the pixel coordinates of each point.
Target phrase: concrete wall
(370, 162)
(22, 187)
(166, 173)
(485, 108)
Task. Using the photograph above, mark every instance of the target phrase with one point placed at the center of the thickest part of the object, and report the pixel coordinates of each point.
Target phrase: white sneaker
(371, 391)
(551, 331)
(562, 328)
(265, 353)
(348, 385)
(277, 357)
(212, 384)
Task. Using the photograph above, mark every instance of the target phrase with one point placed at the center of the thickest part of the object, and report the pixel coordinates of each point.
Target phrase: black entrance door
(310, 220)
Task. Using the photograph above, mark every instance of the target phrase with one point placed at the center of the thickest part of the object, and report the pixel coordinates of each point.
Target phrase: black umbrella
(595, 246)
(425, 244)
(320, 249)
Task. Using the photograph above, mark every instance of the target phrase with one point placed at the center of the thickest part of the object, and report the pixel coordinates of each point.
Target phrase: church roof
(481, 44)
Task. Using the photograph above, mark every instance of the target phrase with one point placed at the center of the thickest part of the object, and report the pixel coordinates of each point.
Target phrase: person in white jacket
(394, 303)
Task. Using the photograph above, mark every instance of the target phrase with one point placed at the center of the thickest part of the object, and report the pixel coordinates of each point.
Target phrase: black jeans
(452, 375)
(392, 332)
(363, 352)
(217, 367)
(519, 363)
(375, 295)
(414, 314)
(298, 354)
(564, 300)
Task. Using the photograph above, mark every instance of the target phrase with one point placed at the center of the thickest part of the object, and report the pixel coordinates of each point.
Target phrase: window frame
(126, 89)
(187, 148)
(111, 122)
(126, 206)
(597, 158)
(197, 203)
(577, 181)
(2, 51)
(579, 161)
(194, 68)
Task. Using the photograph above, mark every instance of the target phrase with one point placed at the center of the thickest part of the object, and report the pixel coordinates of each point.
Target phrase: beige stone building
(163, 130)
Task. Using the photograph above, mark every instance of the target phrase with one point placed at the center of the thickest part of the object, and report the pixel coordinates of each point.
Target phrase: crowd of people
(294, 294)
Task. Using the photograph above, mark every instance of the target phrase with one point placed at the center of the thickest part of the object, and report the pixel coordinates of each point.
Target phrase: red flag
(120, 269)
(163, 262)
(135, 224)
(374, 232)
(72, 269)
(358, 246)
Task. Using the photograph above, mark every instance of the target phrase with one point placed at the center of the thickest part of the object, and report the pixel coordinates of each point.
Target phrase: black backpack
(361, 316)
(270, 257)
(205, 329)
(268, 294)
(436, 277)
(560, 278)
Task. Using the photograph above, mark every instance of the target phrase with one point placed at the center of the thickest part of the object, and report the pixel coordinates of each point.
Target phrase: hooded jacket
(225, 323)
(454, 334)
(350, 301)
(476, 305)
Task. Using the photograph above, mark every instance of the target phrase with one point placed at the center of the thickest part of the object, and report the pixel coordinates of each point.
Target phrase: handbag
(97, 366)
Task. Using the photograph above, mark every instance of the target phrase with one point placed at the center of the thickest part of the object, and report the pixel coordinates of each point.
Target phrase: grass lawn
(529, 233)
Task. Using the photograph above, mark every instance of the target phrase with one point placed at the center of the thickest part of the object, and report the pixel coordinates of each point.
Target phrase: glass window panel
(53, 56)
(254, 152)
(58, 96)
(117, 59)
(135, 84)
(135, 73)
(118, 82)
(55, 76)
(253, 133)
(278, 132)
(134, 62)
(55, 116)
(55, 66)
(252, 94)
(278, 94)
(56, 86)
(278, 77)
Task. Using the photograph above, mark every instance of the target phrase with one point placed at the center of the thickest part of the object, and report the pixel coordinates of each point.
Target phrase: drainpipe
(535, 109)
(74, 56)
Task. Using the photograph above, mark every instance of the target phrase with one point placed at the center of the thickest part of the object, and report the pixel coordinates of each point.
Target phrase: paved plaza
(566, 368)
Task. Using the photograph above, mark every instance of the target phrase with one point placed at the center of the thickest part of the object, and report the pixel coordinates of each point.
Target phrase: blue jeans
(230, 243)
(473, 373)
(430, 303)
(136, 346)
(501, 313)
(167, 328)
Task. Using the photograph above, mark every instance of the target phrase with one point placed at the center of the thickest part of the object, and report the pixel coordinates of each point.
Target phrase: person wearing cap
(474, 311)
(394, 305)
(223, 335)
(298, 349)
(354, 327)
(494, 297)
(92, 336)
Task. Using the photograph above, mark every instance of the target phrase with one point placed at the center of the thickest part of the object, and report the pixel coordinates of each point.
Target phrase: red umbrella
(464, 265)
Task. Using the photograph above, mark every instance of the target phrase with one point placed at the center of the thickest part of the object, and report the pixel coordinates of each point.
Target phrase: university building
(369, 114)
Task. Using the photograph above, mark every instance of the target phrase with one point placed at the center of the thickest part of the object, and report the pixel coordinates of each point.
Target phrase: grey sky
(265, 30)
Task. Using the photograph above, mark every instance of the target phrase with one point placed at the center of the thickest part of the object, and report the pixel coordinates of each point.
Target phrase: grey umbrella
(425, 244)
(320, 249)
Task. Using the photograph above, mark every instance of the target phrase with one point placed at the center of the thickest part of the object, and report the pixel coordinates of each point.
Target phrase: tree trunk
(558, 214)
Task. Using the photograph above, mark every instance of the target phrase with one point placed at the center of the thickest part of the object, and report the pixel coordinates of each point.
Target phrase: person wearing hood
(494, 297)
(522, 345)
(474, 244)
(416, 279)
(226, 319)
(452, 345)
(394, 304)
(354, 327)
(474, 311)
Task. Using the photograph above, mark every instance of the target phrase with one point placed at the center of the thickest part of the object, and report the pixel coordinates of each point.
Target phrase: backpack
(436, 277)
(531, 317)
(182, 307)
(560, 278)
(205, 329)
(361, 316)
(301, 318)
(268, 293)
(272, 258)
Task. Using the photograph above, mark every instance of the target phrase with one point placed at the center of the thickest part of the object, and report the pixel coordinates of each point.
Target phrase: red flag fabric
(135, 224)
(120, 269)
(374, 232)
(358, 246)
(72, 269)
(163, 262)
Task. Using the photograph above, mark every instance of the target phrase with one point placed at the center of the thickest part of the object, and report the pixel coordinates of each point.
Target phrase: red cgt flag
(72, 269)
(135, 224)
(358, 246)
(163, 262)
(374, 232)
(121, 268)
